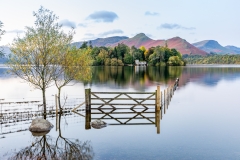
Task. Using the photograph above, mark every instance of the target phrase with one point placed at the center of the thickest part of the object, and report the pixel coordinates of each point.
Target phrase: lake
(201, 121)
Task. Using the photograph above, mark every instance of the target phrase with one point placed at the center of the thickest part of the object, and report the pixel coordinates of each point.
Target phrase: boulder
(40, 125)
(98, 124)
(39, 134)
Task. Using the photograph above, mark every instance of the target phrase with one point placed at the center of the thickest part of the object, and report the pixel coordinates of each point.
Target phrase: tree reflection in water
(45, 147)
(125, 75)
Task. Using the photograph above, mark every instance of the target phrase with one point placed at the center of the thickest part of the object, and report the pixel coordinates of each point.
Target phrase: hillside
(233, 48)
(184, 47)
(178, 43)
(6, 51)
(139, 40)
(214, 47)
(102, 41)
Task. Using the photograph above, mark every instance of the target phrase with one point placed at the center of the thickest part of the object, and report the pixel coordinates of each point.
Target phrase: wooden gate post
(158, 98)
(161, 105)
(165, 101)
(156, 108)
(88, 99)
(88, 119)
(88, 108)
(158, 121)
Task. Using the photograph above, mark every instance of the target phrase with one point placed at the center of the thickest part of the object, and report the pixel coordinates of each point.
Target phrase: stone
(98, 124)
(39, 134)
(40, 125)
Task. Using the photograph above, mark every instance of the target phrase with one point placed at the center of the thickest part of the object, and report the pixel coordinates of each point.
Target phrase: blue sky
(193, 20)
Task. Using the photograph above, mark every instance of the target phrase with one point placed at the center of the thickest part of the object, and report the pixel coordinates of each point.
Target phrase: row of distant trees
(123, 55)
(213, 59)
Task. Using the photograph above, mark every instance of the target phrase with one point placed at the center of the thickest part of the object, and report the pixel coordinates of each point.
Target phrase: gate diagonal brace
(108, 114)
(106, 102)
(140, 114)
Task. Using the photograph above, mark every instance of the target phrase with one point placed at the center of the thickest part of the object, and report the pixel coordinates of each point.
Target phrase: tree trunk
(44, 104)
(59, 100)
(59, 125)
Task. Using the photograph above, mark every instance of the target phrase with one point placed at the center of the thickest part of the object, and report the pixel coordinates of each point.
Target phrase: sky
(192, 20)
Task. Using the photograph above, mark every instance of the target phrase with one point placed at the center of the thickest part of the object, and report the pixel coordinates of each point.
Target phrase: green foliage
(143, 49)
(175, 61)
(114, 62)
(137, 54)
(84, 45)
(120, 63)
(121, 49)
(213, 59)
(161, 56)
(107, 62)
(154, 56)
(101, 57)
(128, 59)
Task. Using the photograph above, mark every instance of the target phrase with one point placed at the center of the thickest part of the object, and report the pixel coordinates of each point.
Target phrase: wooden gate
(124, 108)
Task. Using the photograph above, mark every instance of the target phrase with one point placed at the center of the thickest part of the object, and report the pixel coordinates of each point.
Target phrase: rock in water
(40, 125)
(98, 124)
(39, 134)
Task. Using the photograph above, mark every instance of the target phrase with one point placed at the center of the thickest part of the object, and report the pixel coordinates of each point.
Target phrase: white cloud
(103, 16)
(67, 23)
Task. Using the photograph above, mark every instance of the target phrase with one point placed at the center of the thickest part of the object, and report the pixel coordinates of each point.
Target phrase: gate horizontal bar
(124, 98)
(126, 118)
(123, 104)
(123, 93)
(121, 112)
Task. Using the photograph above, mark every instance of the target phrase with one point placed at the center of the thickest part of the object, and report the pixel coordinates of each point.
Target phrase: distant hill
(213, 46)
(139, 40)
(6, 51)
(184, 47)
(178, 43)
(233, 48)
(101, 41)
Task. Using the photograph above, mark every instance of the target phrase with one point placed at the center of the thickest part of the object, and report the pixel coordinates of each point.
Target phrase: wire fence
(16, 116)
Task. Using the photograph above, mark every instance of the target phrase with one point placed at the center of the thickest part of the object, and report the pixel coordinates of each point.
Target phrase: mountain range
(141, 39)
(101, 41)
(214, 47)
(184, 47)
(178, 43)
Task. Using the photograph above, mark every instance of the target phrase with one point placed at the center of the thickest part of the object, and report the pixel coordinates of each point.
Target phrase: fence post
(88, 108)
(156, 108)
(165, 101)
(158, 121)
(88, 99)
(161, 105)
(88, 120)
(158, 98)
(168, 97)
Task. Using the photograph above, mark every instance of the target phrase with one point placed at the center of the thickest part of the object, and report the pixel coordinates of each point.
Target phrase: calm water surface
(202, 120)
